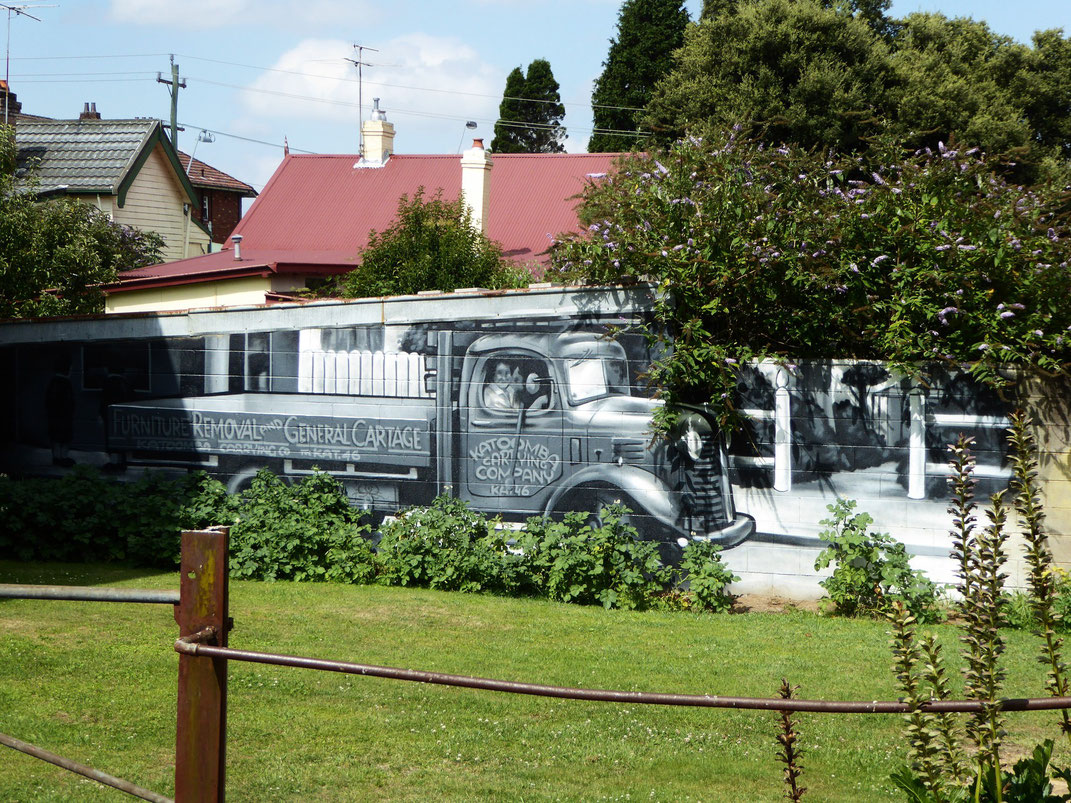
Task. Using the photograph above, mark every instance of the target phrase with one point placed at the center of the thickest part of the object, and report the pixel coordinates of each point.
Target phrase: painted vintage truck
(520, 404)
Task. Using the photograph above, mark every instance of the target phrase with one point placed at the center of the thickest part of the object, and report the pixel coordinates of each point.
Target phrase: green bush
(872, 569)
(445, 546)
(608, 565)
(305, 531)
(86, 517)
(707, 577)
(309, 531)
(1019, 606)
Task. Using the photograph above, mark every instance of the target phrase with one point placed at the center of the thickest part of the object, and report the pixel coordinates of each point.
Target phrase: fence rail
(197, 645)
(88, 594)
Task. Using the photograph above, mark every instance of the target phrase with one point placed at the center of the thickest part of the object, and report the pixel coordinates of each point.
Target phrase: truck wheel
(595, 499)
(242, 477)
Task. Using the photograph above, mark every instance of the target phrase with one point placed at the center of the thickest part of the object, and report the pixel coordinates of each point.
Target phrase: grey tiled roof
(81, 155)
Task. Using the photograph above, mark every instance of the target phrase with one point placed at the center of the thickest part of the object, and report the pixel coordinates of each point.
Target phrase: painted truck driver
(500, 392)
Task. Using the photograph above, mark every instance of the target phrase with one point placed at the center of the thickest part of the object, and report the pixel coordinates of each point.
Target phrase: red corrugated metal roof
(319, 210)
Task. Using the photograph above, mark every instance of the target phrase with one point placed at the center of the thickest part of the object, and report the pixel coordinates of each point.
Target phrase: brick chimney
(378, 137)
(9, 105)
(476, 183)
(89, 112)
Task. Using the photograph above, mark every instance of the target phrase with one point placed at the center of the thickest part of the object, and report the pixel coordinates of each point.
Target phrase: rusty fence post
(201, 733)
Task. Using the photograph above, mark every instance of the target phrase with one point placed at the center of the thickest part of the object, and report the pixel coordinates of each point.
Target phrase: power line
(24, 76)
(245, 139)
(405, 112)
(105, 56)
(335, 78)
(406, 86)
(82, 80)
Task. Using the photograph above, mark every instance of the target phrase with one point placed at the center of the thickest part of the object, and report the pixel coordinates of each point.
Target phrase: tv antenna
(17, 11)
(360, 63)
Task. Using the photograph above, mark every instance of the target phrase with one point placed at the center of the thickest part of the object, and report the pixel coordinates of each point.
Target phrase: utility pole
(359, 63)
(173, 86)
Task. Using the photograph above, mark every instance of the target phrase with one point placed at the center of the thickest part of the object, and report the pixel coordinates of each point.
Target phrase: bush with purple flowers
(762, 251)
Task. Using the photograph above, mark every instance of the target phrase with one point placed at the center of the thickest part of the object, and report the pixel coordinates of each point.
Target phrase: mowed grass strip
(96, 682)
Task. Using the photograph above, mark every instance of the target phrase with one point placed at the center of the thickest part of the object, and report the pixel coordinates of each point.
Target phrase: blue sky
(257, 71)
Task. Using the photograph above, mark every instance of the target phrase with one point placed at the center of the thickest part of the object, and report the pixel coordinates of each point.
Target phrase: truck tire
(240, 477)
(594, 499)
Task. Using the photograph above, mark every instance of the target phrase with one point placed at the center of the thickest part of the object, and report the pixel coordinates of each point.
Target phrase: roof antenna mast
(359, 63)
(17, 11)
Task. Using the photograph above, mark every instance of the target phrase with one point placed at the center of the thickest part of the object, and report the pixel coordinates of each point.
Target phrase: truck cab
(548, 424)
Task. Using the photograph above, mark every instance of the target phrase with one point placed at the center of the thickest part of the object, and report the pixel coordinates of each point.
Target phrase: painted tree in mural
(54, 253)
(530, 116)
(648, 31)
(783, 252)
(823, 74)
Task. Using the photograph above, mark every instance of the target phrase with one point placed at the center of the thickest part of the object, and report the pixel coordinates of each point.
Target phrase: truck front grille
(702, 502)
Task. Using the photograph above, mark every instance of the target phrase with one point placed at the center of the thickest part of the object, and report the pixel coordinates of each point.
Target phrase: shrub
(445, 546)
(707, 577)
(872, 569)
(431, 245)
(86, 517)
(306, 531)
(608, 565)
(1019, 608)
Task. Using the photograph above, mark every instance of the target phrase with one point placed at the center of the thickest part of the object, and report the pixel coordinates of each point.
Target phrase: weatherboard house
(314, 216)
(126, 168)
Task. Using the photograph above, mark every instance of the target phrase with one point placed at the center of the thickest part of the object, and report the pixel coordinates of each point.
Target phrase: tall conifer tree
(648, 31)
(529, 118)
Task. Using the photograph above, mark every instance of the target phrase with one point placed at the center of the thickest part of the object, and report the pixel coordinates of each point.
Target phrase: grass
(96, 682)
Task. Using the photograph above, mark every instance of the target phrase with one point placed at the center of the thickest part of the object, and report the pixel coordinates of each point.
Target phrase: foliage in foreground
(778, 252)
(53, 253)
(431, 245)
(308, 531)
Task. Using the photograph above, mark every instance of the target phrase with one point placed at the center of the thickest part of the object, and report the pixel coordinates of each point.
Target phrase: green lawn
(96, 682)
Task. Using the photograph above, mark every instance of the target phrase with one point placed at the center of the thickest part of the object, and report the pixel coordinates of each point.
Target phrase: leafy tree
(648, 31)
(54, 253)
(432, 245)
(781, 252)
(820, 73)
(791, 70)
(529, 118)
(958, 77)
(1047, 87)
(874, 12)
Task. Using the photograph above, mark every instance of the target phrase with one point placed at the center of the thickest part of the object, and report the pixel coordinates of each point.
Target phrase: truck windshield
(596, 377)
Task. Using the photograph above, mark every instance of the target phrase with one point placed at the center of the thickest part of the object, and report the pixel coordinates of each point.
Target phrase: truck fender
(652, 495)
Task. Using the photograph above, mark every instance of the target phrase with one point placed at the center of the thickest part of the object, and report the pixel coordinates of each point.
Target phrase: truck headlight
(693, 431)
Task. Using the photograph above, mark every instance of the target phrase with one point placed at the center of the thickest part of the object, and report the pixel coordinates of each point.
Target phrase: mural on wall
(523, 412)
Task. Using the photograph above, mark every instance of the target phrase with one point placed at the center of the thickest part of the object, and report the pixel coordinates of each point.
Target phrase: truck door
(511, 432)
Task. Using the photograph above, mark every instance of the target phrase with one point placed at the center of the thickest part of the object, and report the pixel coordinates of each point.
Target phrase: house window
(204, 206)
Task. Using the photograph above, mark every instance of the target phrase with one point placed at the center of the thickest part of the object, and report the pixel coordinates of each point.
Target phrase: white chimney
(378, 137)
(476, 183)
(237, 240)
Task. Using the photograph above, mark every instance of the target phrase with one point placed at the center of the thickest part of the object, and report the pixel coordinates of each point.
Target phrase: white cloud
(427, 85)
(209, 14)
